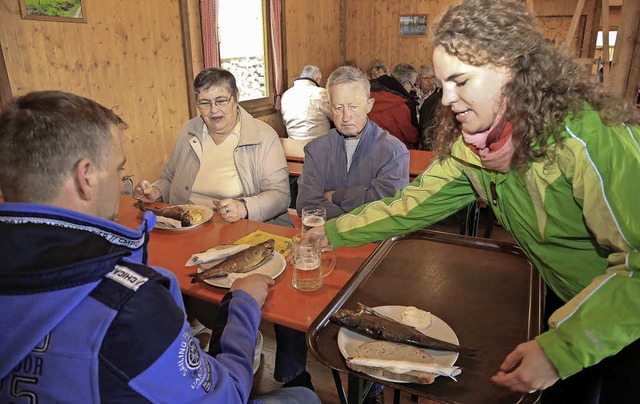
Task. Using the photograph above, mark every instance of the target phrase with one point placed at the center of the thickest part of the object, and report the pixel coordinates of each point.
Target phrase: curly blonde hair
(547, 84)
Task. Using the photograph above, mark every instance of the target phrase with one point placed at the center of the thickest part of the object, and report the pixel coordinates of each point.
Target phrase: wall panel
(313, 36)
(128, 56)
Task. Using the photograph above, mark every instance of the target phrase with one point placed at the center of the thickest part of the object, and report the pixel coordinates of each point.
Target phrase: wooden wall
(373, 31)
(127, 56)
(312, 36)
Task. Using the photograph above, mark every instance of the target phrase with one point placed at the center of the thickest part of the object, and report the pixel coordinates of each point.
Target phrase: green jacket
(577, 219)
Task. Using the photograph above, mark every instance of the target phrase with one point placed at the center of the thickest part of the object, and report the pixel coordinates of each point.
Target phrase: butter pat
(415, 317)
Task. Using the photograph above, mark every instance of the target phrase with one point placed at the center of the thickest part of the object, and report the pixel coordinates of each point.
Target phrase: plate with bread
(400, 362)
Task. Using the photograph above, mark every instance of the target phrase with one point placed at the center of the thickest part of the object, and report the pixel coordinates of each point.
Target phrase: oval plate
(349, 340)
(207, 214)
(273, 268)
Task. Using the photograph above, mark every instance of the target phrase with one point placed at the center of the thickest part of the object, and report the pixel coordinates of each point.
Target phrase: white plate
(273, 268)
(207, 215)
(349, 340)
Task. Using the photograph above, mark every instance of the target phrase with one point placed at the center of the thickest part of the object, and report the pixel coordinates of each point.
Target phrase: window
(243, 45)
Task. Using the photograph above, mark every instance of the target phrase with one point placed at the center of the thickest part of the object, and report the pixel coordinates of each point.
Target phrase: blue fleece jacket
(84, 320)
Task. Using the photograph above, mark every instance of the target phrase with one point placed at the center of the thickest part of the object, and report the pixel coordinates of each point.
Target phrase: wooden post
(530, 5)
(605, 41)
(574, 25)
(624, 72)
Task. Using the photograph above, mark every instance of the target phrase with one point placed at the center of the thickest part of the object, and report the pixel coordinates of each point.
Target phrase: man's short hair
(348, 74)
(312, 72)
(43, 136)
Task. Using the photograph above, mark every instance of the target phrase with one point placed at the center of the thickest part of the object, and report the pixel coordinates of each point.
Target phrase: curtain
(276, 44)
(210, 40)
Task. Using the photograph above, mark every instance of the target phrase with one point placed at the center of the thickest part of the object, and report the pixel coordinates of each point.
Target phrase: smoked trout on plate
(368, 322)
(184, 215)
(241, 262)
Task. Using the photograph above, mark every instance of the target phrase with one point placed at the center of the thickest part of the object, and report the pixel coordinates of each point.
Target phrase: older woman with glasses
(225, 157)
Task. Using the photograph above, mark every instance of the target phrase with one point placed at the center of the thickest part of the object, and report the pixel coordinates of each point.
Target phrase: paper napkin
(216, 253)
(406, 366)
(282, 245)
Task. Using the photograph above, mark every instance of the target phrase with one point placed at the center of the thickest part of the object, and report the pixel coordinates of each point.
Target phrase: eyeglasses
(220, 103)
(428, 78)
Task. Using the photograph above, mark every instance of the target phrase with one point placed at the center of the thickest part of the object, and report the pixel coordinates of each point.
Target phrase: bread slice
(393, 351)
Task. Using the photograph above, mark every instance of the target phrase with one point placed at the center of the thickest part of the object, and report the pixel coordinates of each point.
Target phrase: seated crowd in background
(396, 107)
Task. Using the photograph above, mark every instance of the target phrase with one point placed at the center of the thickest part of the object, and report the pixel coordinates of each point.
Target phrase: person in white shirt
(305, 106)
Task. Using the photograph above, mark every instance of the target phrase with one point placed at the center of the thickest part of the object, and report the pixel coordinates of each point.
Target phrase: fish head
(265, 249)
(342, 317)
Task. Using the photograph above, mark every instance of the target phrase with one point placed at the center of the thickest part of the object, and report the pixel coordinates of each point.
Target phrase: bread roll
(393, 351)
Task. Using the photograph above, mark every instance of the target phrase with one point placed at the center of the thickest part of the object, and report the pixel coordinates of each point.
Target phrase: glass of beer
(313, 216)
(307, 258)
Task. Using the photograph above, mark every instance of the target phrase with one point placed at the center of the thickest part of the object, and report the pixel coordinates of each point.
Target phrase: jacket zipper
(494, 194)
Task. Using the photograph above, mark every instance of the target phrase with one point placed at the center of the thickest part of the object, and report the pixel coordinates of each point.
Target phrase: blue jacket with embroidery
(83, 320)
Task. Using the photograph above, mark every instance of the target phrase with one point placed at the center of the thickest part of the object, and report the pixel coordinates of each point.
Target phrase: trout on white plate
(242, 262)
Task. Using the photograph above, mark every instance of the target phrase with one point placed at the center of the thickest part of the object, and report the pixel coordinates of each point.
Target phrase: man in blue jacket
(355, 163)
(83, 319)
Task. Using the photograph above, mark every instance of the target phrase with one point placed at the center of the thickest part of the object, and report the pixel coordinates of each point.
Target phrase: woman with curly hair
(556, 157)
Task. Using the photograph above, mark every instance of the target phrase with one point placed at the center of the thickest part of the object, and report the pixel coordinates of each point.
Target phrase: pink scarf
(495, 145)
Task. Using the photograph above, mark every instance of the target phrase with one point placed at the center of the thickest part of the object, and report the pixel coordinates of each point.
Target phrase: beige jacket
(259, 159)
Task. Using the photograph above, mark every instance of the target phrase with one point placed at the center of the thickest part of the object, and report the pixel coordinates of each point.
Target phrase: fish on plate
(241, 262)
(187, 216)
(366, 321)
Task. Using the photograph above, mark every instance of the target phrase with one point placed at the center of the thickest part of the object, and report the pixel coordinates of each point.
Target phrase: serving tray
(487, 291)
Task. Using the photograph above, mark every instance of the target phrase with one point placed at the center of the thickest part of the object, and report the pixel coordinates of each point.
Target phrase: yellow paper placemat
(283, 244)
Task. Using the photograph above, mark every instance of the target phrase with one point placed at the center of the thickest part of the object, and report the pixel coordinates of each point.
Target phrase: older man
(366, 162)
(305, 106)
(83, 319)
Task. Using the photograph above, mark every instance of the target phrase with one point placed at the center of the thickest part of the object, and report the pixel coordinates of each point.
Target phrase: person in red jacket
(396, 106)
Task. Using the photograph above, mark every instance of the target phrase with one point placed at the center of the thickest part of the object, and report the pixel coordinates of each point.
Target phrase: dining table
(285, 305)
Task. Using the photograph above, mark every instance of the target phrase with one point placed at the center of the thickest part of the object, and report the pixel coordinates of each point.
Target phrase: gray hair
(348, 74)
(43, 136)
(425, 70)
(404, 72)
(312, 72)
(216, 77)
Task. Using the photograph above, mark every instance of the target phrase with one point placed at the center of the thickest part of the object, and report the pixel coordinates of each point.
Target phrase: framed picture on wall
(54, 10)
(413, 25)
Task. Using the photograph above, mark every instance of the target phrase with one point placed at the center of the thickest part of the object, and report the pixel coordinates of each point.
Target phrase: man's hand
(146, 192)
(257, 285)
(526, 369)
